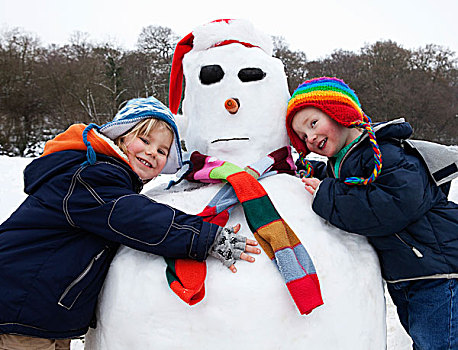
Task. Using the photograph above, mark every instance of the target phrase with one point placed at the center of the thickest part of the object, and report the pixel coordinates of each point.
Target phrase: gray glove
(228, 246)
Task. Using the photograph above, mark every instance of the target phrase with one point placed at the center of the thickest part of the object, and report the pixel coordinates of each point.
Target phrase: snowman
(234, 106)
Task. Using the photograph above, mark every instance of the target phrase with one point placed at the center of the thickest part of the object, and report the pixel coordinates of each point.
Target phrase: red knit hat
(217, 33)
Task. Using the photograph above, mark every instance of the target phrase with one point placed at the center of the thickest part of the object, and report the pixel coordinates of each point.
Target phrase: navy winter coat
(404, 215)
(56, 248)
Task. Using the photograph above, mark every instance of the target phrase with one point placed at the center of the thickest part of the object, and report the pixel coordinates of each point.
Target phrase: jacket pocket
(80, 283)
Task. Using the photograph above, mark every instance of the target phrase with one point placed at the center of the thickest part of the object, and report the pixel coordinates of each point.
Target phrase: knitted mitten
(228, 246)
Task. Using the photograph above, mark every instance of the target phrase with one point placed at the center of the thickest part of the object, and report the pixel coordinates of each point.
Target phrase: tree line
(44, 89)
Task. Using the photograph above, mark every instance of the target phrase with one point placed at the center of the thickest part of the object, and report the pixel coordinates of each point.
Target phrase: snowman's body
(250, 309)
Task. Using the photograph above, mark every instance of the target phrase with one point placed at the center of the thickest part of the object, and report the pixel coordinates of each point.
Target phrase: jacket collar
(72, 139)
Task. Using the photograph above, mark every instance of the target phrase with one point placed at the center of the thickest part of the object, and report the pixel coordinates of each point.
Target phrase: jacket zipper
(81, 276)
(415, 250)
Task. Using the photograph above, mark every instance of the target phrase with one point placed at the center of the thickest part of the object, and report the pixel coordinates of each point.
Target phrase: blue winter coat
(404, 215)
(56, 248)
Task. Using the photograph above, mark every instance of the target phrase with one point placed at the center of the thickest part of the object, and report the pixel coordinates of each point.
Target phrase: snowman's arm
(112, 210)
(399, 196)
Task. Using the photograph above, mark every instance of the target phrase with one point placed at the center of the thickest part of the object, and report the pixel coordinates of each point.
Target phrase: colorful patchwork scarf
(186, 277)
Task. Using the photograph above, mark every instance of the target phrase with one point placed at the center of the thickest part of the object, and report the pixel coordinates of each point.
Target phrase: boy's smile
(147, 154)
(320, 133)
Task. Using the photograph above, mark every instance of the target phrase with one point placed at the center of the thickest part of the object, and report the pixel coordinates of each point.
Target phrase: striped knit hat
(335, 98)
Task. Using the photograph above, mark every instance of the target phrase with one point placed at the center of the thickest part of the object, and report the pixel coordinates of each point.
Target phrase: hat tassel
(377, 158)
(90, 154)
(307, 170)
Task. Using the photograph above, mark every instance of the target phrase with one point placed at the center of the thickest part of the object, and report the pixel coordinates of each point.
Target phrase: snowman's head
(235, 96)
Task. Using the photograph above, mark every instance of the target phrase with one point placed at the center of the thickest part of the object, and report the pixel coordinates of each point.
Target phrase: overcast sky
(315, 27)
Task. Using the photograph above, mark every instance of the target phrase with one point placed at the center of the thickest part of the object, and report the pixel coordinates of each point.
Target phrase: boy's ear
(122, 144)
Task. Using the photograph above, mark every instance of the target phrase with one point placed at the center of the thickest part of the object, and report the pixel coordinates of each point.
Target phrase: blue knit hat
(134, 112)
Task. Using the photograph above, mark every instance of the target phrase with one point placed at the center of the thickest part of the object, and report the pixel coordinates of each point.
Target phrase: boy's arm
(399, 196)
(102, 202)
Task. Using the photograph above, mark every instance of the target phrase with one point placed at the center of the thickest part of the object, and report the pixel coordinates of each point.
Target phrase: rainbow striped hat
(335, 98)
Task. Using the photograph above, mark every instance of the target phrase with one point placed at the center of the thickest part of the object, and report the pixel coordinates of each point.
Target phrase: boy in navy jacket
(396, 203)
(84, 201)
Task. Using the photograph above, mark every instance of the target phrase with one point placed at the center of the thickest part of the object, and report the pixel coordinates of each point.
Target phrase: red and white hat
(217, 33)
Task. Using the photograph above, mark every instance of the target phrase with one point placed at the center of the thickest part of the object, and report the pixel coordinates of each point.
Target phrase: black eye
(251, 74)
(211, 74)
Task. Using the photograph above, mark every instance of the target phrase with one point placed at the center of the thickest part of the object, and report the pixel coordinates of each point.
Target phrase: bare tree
(294, 62)
(44, 90)
(158, 41)
(20, 103)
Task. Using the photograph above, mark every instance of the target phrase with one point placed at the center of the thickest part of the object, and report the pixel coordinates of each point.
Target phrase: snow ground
(11, 195)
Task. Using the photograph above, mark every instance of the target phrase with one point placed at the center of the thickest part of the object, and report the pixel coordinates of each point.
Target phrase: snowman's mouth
(231, 139)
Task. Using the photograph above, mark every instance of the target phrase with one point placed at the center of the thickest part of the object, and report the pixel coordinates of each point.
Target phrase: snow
(12, 185)
(11, 195)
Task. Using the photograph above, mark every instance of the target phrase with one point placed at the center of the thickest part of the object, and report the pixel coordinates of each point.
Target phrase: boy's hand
(229, 247)
(311, 184)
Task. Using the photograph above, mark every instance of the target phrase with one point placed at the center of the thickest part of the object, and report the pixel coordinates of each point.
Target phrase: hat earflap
(90, 153)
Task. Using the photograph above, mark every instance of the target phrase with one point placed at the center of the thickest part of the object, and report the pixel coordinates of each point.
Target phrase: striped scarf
(186, 277)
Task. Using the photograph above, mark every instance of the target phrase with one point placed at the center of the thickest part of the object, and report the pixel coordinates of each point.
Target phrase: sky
(317, 28)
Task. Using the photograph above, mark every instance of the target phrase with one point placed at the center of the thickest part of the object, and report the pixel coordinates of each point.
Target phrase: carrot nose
(232, 105)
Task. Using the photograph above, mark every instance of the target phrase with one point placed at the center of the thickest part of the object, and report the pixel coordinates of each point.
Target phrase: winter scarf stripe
(274, 235)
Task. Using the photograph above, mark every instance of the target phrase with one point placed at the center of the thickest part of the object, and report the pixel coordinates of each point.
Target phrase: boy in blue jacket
(83, 202)
(397, 204)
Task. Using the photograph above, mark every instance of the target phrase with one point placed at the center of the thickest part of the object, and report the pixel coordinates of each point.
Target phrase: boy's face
(147, 154)
(322, 134)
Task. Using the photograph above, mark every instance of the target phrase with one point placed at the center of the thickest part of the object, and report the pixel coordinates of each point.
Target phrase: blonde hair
(143, 128)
